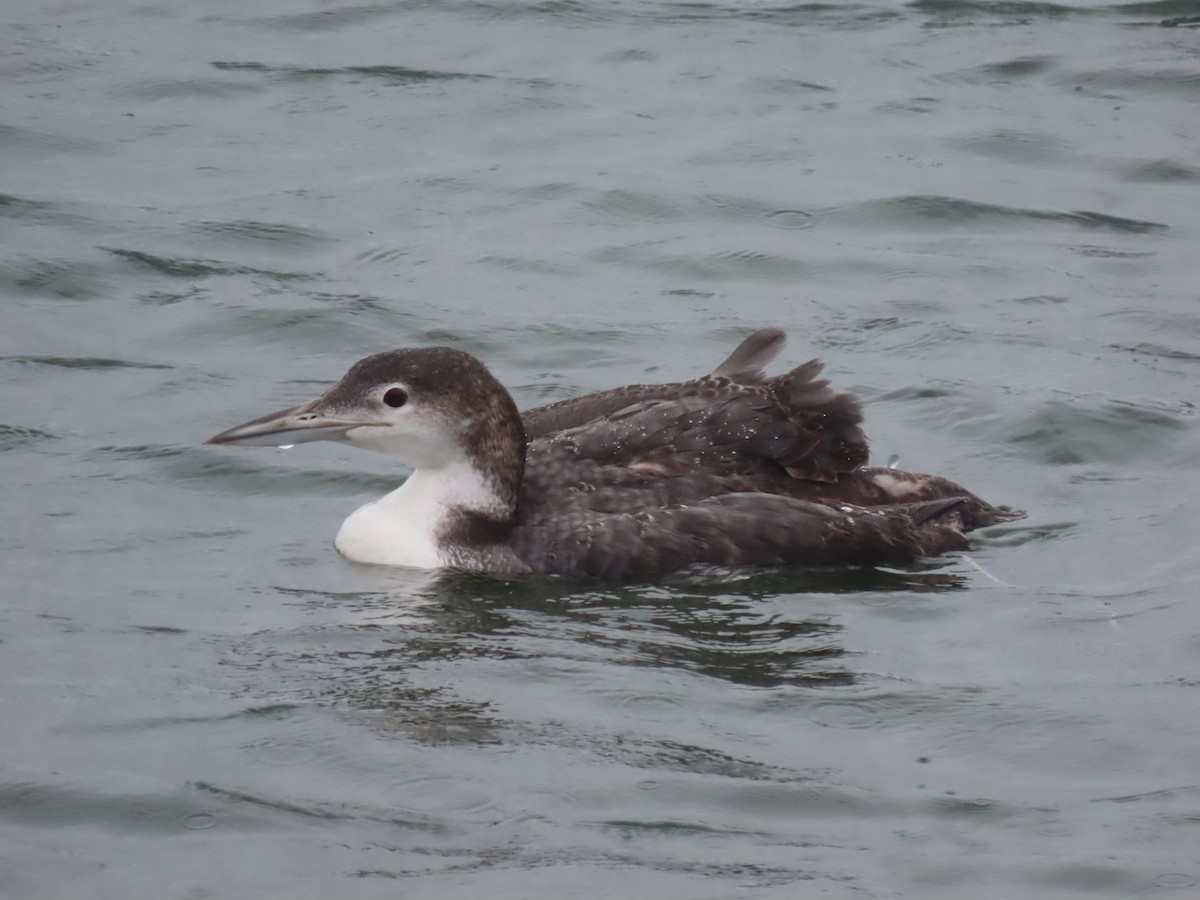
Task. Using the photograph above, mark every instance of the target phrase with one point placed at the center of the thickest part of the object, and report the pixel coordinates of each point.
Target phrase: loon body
(734, 468)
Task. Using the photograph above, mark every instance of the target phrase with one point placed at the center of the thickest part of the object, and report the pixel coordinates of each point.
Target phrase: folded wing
(736, 529)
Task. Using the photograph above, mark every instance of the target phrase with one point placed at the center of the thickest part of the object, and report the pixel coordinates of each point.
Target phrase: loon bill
(734, 468)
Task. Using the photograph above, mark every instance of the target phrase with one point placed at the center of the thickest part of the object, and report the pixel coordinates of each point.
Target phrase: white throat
(403, 528)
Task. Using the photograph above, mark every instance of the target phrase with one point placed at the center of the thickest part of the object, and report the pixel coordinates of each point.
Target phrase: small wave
(1160, 171)
(1061, 433)
(714, 266)
(38, 212)
(520, 264)
(1011, 12)
(331, 17)
(1018, 146)
(627, 206)
(1149, 348)
(58, 805)
(82, 362)
(269, 233)
(191, 267)
(1005, 72)
(238, 803)
(65, 279)
(386, 74)
(178, 88)
(13, 436)
(264, 479)
(381, 256)
(13, 137)
(775, 84)
(1019, 535)
(1117, 83)
(936, 211)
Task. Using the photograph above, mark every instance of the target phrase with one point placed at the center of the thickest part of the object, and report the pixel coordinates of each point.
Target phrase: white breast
(402, 528)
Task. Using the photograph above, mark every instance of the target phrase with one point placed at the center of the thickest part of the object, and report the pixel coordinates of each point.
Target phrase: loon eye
(395, 397)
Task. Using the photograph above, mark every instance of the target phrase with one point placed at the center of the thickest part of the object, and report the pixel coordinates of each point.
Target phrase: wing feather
(791, 424)
(744, 365)
(732, 530)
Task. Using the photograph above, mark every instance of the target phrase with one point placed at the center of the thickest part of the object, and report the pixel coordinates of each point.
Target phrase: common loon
(732, 469)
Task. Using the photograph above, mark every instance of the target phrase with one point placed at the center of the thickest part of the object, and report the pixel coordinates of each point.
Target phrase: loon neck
(491, 452)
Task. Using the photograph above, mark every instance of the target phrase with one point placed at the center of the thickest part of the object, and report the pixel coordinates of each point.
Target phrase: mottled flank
(733, 469)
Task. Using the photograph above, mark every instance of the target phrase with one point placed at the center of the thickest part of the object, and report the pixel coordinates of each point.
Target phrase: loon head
(429, 406)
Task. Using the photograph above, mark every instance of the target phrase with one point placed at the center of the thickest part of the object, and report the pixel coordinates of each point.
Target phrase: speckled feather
(792, 424)
(744, 365)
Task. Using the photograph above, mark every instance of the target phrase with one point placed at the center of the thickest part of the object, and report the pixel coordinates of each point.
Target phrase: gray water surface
(984, 217)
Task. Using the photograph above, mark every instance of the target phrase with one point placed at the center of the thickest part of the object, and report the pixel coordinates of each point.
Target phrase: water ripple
(189, 268)
(279, 810)
(1148, 348)
(940, 211)
(644, 207)
(86, 362)
(1061, 433)
(385, 74)
(242, 476)
(1007, 12)
(38, 212)
(59, 806)
(1160, 171)
(65, 279)
(725, 264)
(1124, 82)
(760, 653)
(13, 137)
(623, 205)
(267, 233)
(331, 18)
(1018, 146)
(176, 89)
(1009, 70)
(13, 436)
